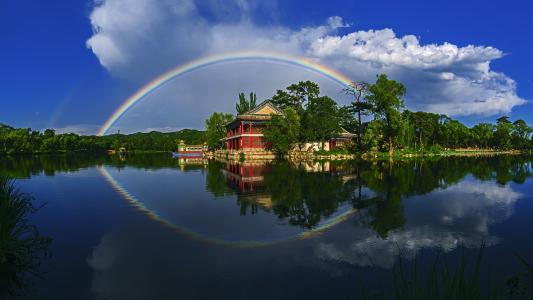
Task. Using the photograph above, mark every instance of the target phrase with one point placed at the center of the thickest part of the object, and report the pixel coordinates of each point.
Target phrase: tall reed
(22, 248)
(441, 281)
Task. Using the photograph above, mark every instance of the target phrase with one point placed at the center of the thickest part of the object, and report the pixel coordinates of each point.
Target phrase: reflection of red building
(244, 133)
(247, 180)
(246, 177)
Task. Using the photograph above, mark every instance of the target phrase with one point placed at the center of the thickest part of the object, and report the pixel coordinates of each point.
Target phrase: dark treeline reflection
(300, 195)
(303, 194)
(391, 182)
(25, 166)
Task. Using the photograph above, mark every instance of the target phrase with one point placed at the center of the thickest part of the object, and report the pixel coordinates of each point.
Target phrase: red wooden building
(244, 132)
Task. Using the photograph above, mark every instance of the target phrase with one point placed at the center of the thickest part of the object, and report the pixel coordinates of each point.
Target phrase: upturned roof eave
(249, 115)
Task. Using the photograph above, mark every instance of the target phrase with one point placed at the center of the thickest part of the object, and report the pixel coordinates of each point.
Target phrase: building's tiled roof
(345, 133)
(253, 115)
(261, 105)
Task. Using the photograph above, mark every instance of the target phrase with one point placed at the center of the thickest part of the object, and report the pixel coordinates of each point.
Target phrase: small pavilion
(341, 139)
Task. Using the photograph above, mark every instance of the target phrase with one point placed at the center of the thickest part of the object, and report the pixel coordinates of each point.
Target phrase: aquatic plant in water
(22, 248)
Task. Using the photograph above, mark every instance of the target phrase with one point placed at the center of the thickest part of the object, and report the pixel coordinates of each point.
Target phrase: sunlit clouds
(140, 39)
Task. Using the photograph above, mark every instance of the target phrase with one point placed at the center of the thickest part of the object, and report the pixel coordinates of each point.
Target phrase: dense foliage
(317, 117)
(283, 130)
(422, 130)
(389, 125)
(386, 103)
(215, 129)
(245, 105)
(26, 140)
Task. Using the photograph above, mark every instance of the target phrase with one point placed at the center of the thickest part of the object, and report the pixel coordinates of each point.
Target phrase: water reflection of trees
(393, 181)
(25, 166)
(216, 181)
(22, 248)
(304, 196)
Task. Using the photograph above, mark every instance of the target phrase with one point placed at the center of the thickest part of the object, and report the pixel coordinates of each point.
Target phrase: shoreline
(344, 156)
(399, 154)
(447, 153)
(300, 156)
(64, 152)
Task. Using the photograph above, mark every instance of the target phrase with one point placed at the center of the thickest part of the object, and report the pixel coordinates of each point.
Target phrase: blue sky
(57, 70)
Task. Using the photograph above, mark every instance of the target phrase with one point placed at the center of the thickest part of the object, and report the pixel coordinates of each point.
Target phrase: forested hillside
(26, 140)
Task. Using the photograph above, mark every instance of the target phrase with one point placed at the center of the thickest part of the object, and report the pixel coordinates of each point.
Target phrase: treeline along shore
(377, 115)
(28, 141)
(504, 137)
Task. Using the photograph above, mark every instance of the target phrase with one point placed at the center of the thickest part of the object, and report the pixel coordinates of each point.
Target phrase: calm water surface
(150, 227)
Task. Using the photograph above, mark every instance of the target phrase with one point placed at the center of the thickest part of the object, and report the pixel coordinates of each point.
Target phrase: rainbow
(138, 205)
(204, 62)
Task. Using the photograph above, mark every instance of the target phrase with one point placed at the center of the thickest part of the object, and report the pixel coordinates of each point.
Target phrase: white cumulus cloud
(141, 38)
(458, 215)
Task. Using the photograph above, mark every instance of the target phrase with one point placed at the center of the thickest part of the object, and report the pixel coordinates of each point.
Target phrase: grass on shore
(437, 151)
(408, 153)
(22, 248)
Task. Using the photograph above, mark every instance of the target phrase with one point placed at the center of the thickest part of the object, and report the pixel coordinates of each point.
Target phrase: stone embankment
(242, 154)
(302, 155)
(295, 155)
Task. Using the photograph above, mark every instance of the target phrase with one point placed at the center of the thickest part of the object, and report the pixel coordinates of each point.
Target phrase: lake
(146, 226)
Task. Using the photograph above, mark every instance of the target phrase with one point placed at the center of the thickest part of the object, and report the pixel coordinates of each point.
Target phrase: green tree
(321, 119)
(347, 119)
(502, 135)
(425, 125)
(455, 133)
(373, 135)
(49, 133)
(296, 95)
(407, 135)
(358, 91)
(282, 131)
(521, 134)
(245, 105)
(215, 127)
(385, 98)
(482, 134)
(304, 91)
